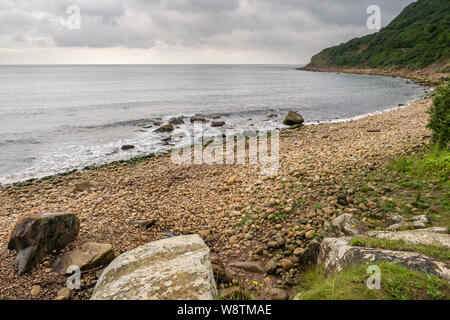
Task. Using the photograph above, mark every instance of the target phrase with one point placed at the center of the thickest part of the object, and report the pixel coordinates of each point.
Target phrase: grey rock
(431, 236)
(337, 253)
(89, 256)
(344, 225)
(169, 269)
(248, 266)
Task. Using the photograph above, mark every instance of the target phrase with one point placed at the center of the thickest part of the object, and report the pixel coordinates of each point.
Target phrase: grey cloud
(301, 27)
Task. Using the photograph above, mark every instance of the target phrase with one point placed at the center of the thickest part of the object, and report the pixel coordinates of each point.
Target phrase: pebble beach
(242, 215)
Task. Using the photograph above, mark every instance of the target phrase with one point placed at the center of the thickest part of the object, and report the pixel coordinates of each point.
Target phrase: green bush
(433, 164)
(440, 116)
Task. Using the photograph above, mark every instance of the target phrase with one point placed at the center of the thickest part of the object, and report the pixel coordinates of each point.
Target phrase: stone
(394, 218)
(431, 236)
(176, 121)
(89, 256)
(293, 118)
(168, 269)
(435, 209)
(309, 256)
(220, 272)
(127, 147)
(165, 128)
(342, 200)
(286, 264)
(344, 225)
(278, 294)
(36, 290)
(83, 186)
(204, 233)
(143, 224)
(421, 218)
(63, 294)
(272, 266)
(398, 226)
(216, 124)
(273, 244)
(248, 266)
(35, 236)
(419, 225)
(310, 234)
(337, 253)
(298, 251)
(198, 119)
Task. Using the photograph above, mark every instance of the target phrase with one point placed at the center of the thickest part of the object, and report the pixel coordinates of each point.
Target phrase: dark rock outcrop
(293, 118)
(36, 236)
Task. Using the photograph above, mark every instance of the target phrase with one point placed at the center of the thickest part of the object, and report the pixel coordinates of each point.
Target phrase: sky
(180, 31)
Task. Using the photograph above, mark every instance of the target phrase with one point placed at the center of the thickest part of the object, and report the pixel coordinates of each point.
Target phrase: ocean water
(58, 118)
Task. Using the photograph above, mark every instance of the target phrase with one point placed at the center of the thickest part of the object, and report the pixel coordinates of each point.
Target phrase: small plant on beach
(440, 116)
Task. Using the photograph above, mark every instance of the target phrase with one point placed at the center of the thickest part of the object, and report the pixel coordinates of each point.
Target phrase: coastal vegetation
(440, 117)
(398, 283)
(418, 38)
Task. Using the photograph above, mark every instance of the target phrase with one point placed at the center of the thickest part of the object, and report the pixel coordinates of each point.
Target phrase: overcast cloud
(181, 31)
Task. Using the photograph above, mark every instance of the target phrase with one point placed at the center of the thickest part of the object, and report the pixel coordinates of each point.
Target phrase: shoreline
(144, 157)
(425, 78)
(240, 210)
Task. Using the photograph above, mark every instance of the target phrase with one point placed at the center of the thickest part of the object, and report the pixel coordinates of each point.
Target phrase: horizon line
(149, 64)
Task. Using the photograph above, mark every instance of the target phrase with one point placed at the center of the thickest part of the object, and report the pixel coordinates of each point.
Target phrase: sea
(57, 118)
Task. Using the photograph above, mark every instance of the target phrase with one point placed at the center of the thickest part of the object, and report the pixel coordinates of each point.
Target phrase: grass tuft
(397, 283)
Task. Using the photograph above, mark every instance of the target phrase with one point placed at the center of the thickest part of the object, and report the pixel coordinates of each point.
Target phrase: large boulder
(337, 253)
(293, 118)
(35, 236)
(89, 256)
(431, 236)
(344, 225)
(169, 269)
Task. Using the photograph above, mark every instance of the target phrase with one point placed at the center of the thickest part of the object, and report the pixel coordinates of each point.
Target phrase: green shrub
(440, 116)
(433, 164)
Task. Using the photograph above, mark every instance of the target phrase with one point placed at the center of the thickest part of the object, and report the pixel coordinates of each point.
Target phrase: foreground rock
(89, 256)
(344, 225)
(432, 236)
(168, 269)
(293, 118)
(36, 236)
(337, 253)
